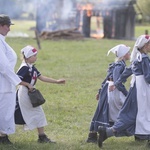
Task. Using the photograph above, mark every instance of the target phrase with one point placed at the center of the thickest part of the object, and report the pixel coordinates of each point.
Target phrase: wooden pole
(37, 39)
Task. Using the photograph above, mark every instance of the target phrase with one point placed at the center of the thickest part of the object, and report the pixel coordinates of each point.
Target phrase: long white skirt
(115, 100)
(143, 103)
(7, 108)
(34, 117)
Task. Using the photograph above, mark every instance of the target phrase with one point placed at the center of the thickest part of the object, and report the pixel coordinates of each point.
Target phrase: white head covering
(28, 51)
(140, 42)
(120, 50)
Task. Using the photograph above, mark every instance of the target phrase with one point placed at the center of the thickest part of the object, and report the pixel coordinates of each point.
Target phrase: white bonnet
(140, 42)
(28, 51)
(119, 50)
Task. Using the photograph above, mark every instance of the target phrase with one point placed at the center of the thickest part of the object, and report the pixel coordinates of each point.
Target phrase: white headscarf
(28, 51)
(119, 50)
(140, 42)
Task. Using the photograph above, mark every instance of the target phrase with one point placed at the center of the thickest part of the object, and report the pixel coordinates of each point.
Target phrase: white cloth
(119, 50)
(132, 80)
(7, 108)
(33, 116)
(115, 100)
(140, 42)
(28, 51)
(8, 58)
(143, 102)
(8, 82)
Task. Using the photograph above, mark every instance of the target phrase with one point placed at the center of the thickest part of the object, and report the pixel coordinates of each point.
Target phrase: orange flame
(88, 7)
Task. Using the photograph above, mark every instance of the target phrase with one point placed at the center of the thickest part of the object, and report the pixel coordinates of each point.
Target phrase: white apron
(8, 82)
(143, 102)
(33, 116)
(115, 100)
(7, 108)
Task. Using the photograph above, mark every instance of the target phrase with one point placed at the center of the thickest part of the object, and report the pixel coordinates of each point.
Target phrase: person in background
(8, 82)
(134, 117)
(110, 103)
(34, 117)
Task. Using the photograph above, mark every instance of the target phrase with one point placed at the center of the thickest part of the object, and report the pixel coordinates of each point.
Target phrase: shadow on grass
(61, 145)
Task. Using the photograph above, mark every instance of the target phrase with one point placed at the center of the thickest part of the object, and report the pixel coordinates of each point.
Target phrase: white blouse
(8, 59)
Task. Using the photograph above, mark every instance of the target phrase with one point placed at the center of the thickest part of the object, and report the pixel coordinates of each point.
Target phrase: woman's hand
(30, 87)
(97, 96)
(111, 88)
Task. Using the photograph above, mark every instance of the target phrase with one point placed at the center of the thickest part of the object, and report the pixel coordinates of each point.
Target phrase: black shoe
(92, 138)
(138, 139)
(148, 143)
(44, 139)
(102, 135)
(111, 124)
(91, 141)
(4, 140)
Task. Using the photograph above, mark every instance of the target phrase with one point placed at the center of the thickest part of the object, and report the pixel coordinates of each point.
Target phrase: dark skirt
(125, 124)
(101, 116)
(126, 121)
(18, 115)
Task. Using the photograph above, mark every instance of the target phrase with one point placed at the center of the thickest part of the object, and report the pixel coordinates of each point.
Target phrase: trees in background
(142, 11)
(144, 5)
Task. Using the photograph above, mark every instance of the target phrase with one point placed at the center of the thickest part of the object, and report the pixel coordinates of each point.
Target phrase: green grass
(139, 29)
(69, 108)
(23, 28)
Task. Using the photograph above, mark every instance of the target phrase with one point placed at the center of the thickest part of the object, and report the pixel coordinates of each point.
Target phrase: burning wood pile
(69, 34)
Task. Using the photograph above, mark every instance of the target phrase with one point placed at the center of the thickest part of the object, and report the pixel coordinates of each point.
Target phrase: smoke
(9, 7)
(55, 15)
(18, 9)
(117, 3)
(48, 14)
(67, 8)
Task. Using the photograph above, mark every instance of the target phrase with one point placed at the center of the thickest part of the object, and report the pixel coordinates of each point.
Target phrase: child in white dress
(34, 117)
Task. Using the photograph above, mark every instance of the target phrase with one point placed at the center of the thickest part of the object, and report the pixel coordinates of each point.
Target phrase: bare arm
(51, 80)
(30, 87)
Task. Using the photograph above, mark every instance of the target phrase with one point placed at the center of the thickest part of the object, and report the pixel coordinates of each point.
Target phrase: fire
(97, 35)
(88, 7)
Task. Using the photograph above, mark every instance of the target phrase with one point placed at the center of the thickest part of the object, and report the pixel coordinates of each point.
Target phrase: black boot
(4, 140)
(92, 137)
(102, 135)
(138, 139)
(44, 139)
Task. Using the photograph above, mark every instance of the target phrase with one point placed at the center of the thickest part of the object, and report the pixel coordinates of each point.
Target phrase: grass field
(69, 108)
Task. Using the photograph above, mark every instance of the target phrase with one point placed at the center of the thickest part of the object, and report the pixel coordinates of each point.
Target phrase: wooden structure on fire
(118, 19)
(69, 34)
(52, 21)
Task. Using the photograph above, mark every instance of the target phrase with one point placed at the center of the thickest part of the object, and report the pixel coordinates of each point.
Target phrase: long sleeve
(109, 75)
(8, 77)
(7, 71)
(122, 79)
(146, 69)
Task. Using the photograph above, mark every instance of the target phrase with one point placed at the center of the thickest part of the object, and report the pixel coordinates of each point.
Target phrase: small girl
(134, 117)
(110, 102)
(34, 117)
